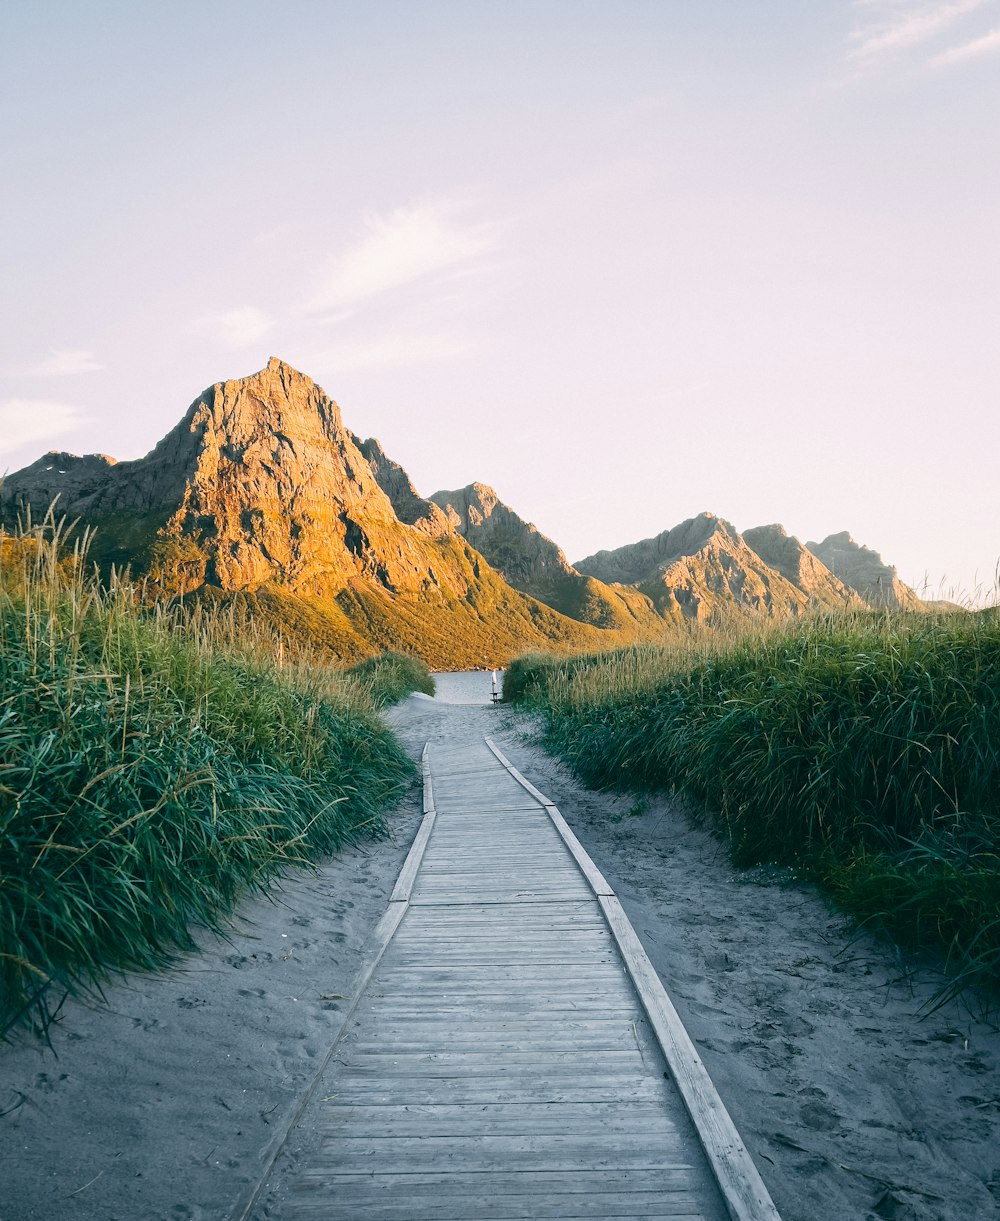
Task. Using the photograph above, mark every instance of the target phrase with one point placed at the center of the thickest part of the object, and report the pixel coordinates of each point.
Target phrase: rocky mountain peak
(800, 566)
(864, 571)
(534, 564)
(515, 547)
(645, 560)
(262, 483)
(408, 505)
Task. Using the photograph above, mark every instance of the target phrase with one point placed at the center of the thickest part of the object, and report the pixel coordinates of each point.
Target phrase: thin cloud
(237, 328)
(978, 48)
(64, 362)
(28, 421)
(901, 26)
(395, 349)
(418, 243)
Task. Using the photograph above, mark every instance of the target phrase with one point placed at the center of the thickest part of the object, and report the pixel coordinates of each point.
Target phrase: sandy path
(853, 1107)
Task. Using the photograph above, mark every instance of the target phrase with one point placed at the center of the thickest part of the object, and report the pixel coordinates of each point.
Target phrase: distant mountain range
(262, 496)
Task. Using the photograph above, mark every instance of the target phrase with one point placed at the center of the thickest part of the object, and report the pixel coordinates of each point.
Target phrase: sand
(160, 1103)
(163, 1101)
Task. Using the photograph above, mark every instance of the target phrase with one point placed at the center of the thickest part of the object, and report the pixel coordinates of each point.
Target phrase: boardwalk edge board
(376, 947)
(743, 1190)
(408, 874)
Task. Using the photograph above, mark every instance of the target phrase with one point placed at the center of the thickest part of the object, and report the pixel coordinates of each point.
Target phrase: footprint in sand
(46, 1084)
(820, 1116)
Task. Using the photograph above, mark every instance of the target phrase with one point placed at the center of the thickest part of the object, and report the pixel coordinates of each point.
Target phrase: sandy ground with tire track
(161, 1102)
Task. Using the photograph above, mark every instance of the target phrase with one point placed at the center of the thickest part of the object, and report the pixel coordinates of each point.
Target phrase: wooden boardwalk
(506, 1058)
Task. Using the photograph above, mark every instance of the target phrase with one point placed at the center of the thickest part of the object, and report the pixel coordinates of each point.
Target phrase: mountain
(699, 570)
(408, 506)
(802, 567)
(260, 495)
(704, 570)
(864, 571)
(534, 564)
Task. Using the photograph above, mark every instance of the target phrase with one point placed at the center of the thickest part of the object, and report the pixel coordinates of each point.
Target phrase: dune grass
(863, 750)
(390, 677)
(155, 764)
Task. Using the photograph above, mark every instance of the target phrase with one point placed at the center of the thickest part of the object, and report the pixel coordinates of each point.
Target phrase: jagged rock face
(262, 478)
(513, 546)
(864, 571)
(534, 564)
(66, 479)
(281, 493)
(407, 504)
(643, 561)
(699, 570)
(798, 565)
(703, 568)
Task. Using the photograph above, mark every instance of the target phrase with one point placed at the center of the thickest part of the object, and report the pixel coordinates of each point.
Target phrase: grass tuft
(863, 749)
(389, 677)
(155, 765)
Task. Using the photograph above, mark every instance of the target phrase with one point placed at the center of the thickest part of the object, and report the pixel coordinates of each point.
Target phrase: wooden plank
(490, 1208)
(500, 898)
(491, 1007)
(464, 1196)
(499, 1119)
(440, 1063)
(555, 978)
(511, 1182)
(552, 1029)
(488, 1154)
(510, 957)
(485, 1090)
(429, 1041)
(428, 780)
(518, 940)
(408, 874)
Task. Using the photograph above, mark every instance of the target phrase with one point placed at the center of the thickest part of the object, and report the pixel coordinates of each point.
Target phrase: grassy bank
(865, 751)
(390, 677)
(155, 765)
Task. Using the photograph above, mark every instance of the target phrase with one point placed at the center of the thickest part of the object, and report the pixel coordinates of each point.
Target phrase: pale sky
(624, 260)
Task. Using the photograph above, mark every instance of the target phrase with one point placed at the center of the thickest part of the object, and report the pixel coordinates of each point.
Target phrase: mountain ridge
(261, 493)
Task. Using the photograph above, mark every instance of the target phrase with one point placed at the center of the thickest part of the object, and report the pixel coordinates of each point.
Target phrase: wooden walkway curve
(511, 1054)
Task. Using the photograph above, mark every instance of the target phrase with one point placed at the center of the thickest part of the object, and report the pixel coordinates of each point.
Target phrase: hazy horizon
(624, 263)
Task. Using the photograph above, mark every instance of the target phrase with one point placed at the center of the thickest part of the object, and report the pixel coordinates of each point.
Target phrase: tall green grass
(391, 676)
(154, 765)
(864, 750)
